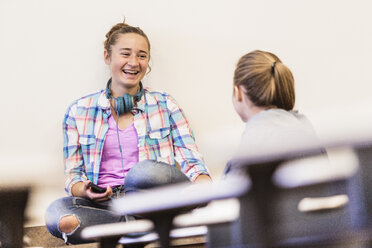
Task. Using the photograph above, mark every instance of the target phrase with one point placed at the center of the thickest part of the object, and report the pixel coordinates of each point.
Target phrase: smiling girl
(123, 138)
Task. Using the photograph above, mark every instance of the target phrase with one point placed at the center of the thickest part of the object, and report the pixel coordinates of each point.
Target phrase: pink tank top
(111, 169)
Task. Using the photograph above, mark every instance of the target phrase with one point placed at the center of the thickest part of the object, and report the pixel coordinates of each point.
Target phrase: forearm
(190, 160)
(73, 175)
(73, 158)
(192, 164)
(186, 152)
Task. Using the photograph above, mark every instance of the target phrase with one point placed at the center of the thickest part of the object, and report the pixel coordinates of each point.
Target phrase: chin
(130, 84)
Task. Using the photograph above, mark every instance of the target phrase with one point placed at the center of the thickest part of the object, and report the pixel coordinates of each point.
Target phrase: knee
(149, 173)
(68, 223)
(145, 173)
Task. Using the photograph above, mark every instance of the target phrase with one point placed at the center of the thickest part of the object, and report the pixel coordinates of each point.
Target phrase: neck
(120, 90)
(255, 110)
(251, 109)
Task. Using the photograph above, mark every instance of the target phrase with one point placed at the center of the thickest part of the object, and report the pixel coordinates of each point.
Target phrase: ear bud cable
(121, 155)
(117, 134)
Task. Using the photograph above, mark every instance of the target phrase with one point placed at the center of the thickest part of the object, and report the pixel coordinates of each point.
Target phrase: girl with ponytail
(264, 97)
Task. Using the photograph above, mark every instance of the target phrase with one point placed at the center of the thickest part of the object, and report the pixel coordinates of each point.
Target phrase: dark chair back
(273, 215)
(12, 208)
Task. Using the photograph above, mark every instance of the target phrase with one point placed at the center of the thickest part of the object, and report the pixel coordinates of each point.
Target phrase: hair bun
(122, 28)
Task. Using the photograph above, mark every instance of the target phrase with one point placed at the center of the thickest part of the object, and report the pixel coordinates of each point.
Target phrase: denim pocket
(88, 146)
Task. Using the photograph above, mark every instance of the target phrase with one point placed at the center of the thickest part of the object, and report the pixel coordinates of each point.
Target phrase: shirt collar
(103, 102)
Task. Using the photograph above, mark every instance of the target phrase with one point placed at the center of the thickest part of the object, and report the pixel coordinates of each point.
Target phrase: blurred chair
(169, 207)
(285, 201)
(360, 194)
(281, 210)
(12, 208)
(185, 226)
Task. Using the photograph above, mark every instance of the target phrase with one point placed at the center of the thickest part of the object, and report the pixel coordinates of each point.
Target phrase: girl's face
(128, 60)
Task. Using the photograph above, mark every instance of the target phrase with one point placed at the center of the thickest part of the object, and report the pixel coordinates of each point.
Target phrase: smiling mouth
(131, 72)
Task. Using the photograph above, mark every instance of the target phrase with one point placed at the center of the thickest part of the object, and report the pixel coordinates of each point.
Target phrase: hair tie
(273, 67)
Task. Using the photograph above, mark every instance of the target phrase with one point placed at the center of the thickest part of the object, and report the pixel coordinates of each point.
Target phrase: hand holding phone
(96, 189)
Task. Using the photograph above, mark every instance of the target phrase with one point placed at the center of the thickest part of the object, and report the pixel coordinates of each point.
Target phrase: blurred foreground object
(12, 208)
(289, 198)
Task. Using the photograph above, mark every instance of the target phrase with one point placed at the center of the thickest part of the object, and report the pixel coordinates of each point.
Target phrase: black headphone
(124, 104)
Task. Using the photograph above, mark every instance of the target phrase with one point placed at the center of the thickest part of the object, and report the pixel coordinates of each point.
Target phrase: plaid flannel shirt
(163, 135)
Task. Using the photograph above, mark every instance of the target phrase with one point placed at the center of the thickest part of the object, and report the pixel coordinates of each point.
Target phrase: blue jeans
(144, 175)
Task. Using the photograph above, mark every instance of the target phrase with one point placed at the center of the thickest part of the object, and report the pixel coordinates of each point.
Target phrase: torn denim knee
(65, 235)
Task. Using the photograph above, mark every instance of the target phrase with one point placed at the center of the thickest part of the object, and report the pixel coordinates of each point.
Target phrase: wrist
(203, 178)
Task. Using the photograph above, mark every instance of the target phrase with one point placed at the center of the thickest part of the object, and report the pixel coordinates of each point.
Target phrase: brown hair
(118, 29)
(267, 81)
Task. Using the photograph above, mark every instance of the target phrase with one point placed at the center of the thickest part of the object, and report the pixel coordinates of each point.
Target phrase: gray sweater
(274, 131)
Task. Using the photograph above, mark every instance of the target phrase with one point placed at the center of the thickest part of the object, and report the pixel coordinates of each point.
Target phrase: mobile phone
(96, 189)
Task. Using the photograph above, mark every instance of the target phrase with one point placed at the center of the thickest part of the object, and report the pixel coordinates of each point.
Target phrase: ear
(106, 57)
(238, 93)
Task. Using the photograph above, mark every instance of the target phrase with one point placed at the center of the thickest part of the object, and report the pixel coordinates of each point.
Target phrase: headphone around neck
(124, 104)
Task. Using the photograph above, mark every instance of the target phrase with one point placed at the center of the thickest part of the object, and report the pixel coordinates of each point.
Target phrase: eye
(125, 54)
(142, 56)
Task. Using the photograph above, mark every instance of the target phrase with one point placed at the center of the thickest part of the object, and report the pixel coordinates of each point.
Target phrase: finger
(97, 196)
(109, 191)
(102, 199)
(86, 183)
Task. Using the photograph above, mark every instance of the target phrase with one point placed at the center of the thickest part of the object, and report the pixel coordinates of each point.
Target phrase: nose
(133, 61)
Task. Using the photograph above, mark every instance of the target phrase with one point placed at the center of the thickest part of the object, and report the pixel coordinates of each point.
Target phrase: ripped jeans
(142, 176)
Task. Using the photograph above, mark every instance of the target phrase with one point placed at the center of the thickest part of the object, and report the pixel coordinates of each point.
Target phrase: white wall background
(51, 53)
